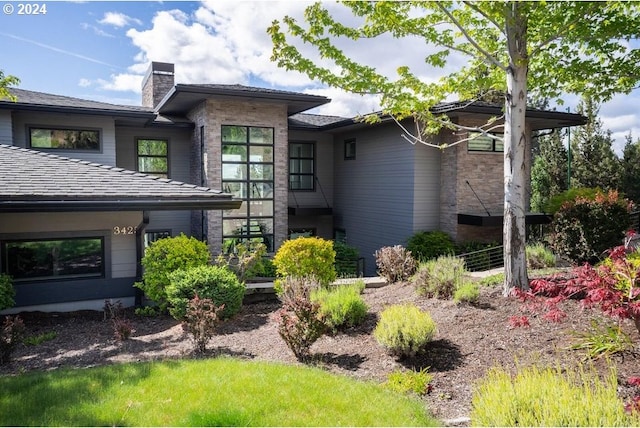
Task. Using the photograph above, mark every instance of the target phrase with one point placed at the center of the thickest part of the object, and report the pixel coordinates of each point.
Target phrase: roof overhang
(484, 220)
(183, 98)
(107, 204)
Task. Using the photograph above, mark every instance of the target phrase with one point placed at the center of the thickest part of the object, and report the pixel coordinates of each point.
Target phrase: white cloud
(118, 19)
(97, 31)
(84, 83)
(122, 82)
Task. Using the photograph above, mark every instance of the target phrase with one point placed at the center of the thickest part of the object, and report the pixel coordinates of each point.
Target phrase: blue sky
(100, 50)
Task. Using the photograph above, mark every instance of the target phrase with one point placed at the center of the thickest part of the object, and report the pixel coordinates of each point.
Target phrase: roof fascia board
(9, 206)
(77, 110)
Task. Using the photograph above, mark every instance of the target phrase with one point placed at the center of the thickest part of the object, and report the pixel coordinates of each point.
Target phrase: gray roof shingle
(32, 177)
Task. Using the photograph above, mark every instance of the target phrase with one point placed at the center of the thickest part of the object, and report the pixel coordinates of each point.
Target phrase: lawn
(213, 392)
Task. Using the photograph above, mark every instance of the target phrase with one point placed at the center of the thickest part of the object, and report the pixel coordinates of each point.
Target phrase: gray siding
(6, 128)
(106, 125)
(426, 196)
(179, 169)
(120, 258)
(374, 193)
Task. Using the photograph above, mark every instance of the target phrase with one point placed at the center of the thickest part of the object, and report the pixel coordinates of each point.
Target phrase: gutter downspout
(139, 254)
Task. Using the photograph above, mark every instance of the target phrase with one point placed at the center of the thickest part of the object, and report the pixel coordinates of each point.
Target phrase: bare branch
(486, 54)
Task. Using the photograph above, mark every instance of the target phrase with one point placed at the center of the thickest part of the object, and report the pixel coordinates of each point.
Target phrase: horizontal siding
(374, 193)
(6, 128)
(426, 196)
(179, 169)
(106, 125)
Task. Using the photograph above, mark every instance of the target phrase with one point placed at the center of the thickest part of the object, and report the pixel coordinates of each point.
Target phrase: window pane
(69, 139)
(481, 143)
(261, 172)
(151, 237)
(234, 134)
(152, 165)
(499, 146)
(52, 259)
(234, 171)
(261, 135)
(350, 149)
(301, 182)
(261, 208)
(239, 190)
(261, 154)
(152, 147)
(261, 190)
(233, 226)
(234, 153)
(238, 212)
(301, 150)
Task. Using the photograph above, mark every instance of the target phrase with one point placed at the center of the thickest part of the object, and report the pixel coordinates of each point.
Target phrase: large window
(54, 258)
(64, 139)
(484, 143)
(301, 166)
(153, 157)
(247, 173)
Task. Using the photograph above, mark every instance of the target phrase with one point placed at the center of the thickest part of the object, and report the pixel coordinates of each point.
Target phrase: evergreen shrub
(305, 257)
(208, 282)
(428, 245)
(7, 292)
(341, 305)
(404, 330)
(165, 256)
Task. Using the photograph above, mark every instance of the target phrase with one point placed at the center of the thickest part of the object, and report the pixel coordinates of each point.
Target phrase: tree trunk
(515, 146)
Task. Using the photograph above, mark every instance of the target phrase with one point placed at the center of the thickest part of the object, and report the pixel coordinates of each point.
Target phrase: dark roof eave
(87, 205)
(149, 115)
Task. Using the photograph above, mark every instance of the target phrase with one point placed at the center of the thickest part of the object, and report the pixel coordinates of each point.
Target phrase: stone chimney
(157, 83)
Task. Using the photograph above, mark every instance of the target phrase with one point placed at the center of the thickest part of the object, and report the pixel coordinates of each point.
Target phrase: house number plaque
(124, 230)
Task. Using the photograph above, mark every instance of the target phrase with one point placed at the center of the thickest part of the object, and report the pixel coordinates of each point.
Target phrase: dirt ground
(470, 340)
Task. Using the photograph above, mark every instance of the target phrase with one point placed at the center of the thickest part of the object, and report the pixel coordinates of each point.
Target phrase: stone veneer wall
(485, 173)
(212, 115)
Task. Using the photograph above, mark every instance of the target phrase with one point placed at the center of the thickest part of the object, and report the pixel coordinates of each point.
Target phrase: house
(86, 185)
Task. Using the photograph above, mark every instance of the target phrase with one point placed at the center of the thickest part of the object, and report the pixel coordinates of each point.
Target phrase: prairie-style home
(85, 185)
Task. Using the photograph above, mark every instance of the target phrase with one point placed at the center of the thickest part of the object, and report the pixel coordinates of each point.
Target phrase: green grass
(217, 392)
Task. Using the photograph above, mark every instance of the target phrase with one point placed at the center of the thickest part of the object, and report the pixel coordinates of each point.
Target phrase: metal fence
(484, 259)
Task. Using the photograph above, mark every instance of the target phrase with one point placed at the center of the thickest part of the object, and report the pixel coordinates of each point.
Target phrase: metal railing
(484, 259)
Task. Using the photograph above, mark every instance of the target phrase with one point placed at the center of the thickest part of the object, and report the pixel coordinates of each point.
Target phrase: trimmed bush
(305, 257)
(209, 282)
(440, 277)
(404, 330)
(341, 305)
(395, 263)
(539, 256)
(549, 397)
(429, 245)
(557, 201)
(165, 256)
(584, 228)
(467, 292)
(410, 381)
(7, 292)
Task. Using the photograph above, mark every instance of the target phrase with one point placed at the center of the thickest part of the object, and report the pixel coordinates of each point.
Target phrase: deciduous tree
(547, 48)
(5, 82)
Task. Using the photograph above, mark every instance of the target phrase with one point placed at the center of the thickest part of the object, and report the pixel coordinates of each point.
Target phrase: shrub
(602, 341)
(7, 292)
(539, 256)
(410, 381)
(147, 311)
(492, 280)
(395, 263)
(245, 258)
(557, 201)
(404, 330)
(11, 333)
(584, 228)
(209, 282)
(300, 322)
(200, 321)
(346, 259)
(40, 338)
(305, 257)
(440, 277)
(548, 397)
(122, 328)
(429, 245)
(341, 305)
(165, 256)
(467, 292)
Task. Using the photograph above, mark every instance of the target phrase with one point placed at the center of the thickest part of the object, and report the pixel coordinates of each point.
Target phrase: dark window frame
(494, 143)
(32, 127)
(103, 235)
(350, 154)
(163, 174)
(249, 232)
(311, 174)
(147, 242)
